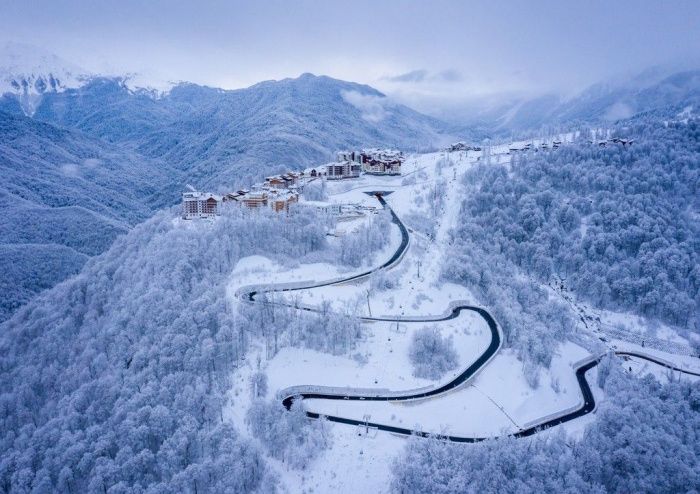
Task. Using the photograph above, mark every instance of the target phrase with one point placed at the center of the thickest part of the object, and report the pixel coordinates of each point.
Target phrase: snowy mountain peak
(29, 72)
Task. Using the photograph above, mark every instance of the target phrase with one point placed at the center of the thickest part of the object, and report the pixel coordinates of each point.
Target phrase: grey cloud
(450, 75)
(476, 47)
(423, 75)
(412, 76)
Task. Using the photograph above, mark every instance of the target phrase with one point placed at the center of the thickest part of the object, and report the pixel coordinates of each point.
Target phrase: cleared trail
(587, 404)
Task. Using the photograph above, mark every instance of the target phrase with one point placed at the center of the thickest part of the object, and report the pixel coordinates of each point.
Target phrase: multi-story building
(200, 204)
(381, 161)
(255, 199)
(343, 170)
(281, 202)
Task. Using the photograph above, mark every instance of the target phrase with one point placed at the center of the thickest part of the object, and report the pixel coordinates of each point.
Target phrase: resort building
(200, 204)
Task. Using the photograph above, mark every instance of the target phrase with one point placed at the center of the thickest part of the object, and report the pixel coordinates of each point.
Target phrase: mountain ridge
(98, 158)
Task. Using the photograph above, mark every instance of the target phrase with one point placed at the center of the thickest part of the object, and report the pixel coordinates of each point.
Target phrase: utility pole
(369, 309)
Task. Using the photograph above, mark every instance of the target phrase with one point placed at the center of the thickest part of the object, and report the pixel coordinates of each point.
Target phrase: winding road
(317, 392)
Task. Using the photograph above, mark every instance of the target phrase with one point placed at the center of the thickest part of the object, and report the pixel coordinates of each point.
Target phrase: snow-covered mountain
(117, 152)
(165, 331)
(661, 91)
(65, 197)
(218, 136)
(29, 73)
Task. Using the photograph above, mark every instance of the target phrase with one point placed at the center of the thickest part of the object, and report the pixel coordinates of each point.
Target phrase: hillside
(161, 359)
(98, 156)
(65, 197)
(218, 137)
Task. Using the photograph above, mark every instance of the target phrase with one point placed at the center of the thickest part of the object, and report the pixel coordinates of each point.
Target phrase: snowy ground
(497, 401)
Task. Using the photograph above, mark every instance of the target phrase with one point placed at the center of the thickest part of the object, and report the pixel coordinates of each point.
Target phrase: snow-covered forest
(462, 271)
(616, 224)
(644, 439)
(115, 379)
(66, 197)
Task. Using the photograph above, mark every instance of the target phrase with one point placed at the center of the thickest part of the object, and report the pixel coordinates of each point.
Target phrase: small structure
(619, 140)
(346, 156)
(200, 204)
(330, 208)
(516, 148)
(255, 199)
(275, 182)
(458, 146)
(291, 179)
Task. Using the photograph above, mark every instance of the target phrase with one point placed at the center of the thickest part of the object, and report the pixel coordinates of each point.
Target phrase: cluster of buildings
(614, 140)
(350, 164)
(461, 146)
(530, 147)
(278, 192)
(381, 161)
(276, 199)
(520, 148)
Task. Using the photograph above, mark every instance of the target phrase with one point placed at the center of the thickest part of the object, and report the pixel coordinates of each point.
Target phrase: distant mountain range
(602, 104)
(29, 73)
(221, 137)
(85, 157)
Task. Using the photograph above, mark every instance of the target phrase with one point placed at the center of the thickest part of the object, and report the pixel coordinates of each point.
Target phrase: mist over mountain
(652, 90)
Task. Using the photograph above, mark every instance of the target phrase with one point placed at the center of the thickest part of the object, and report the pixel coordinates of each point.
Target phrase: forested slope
(115, 380)
(644, 439)
(620, 225)
(65, 197)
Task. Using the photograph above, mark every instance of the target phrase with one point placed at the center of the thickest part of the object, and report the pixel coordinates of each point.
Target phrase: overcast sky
(439, 48)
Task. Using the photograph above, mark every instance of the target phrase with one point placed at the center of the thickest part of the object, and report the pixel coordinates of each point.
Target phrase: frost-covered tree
(632, 446)
(258, 384)
(316, 191)
(288, 435)
(431, 354)
(617, 225)
(115, 381)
